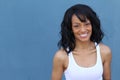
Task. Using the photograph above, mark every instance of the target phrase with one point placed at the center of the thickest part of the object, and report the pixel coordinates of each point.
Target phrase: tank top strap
(99, 58)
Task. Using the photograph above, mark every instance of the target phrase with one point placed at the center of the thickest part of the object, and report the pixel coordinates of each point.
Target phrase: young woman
(82, 55)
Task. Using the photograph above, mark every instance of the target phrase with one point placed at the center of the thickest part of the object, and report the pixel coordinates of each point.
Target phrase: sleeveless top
(76, 72)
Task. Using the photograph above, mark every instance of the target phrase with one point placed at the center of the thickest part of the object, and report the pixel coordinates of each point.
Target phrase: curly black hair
(83, 12)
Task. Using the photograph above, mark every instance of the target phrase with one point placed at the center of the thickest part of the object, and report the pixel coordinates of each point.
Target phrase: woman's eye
(75, 25)
(87, 24)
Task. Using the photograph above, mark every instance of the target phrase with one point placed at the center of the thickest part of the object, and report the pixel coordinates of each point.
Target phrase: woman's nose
(83, 29)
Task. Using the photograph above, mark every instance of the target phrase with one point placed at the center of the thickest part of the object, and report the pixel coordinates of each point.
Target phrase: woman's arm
(58, 65)
(107, 56)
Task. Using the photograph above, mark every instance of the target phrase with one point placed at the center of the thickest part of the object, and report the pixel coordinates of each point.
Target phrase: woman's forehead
(81, 18)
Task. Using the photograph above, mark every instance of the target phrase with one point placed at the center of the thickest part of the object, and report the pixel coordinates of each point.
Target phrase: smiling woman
(81, 30)
(82, 55)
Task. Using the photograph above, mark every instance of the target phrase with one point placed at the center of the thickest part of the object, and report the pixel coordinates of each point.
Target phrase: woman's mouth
(84, 35)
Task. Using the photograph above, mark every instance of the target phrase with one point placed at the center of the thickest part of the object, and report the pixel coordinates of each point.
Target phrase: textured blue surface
(29, 31)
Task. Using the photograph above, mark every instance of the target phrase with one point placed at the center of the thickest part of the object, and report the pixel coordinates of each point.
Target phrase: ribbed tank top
(76, 72)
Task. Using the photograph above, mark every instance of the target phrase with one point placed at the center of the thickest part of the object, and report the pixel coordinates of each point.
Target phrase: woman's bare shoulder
(60, 55)
(105, 51)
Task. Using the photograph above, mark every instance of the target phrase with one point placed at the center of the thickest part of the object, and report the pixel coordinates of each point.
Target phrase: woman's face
(81, 30)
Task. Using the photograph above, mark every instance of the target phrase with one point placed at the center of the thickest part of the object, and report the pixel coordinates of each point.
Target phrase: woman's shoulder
(105, 51)
(60, 55)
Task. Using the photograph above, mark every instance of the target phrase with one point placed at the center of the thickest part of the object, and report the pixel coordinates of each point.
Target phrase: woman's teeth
(83, 35)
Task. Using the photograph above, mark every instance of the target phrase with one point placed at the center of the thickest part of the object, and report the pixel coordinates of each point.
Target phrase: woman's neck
(83, 45)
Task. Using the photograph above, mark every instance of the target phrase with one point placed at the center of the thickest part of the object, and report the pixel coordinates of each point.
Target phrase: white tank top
(76, 72)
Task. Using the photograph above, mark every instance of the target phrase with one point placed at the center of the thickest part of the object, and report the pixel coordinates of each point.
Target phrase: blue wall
(29, 32)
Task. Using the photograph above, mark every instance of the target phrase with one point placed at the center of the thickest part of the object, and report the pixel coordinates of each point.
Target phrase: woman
(82, 55)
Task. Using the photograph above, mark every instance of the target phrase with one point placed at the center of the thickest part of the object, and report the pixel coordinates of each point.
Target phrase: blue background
(29, 32)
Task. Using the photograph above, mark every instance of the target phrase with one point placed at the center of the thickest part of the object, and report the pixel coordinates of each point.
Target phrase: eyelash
(76, 26)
